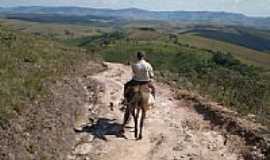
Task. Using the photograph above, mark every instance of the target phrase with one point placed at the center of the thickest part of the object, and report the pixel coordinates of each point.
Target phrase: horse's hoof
(139, 138)
(122, 131)
(121, 135)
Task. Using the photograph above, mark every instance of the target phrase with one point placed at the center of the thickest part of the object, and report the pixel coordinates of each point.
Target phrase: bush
(226, 60)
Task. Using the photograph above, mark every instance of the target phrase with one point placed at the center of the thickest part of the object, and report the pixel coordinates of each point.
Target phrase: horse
(140, 102)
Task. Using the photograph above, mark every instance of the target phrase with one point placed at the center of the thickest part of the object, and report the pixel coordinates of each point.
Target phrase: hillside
(244, 54)
(26, 61)
(64, 19)
(246, 37)
(138, 14)
(249, 47)
(53, 30)
(61, 94)
(35, 122)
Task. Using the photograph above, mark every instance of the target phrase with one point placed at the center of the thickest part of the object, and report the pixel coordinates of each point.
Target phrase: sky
(247, 7)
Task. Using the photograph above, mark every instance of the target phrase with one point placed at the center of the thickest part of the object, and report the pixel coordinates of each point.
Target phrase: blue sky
(248, 7)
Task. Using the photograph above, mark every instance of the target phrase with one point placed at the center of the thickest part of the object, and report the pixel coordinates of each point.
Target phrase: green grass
(26, 62)
(246, 55)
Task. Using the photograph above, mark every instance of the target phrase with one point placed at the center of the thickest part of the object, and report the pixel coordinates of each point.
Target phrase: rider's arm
(151, 72)
(133, 67)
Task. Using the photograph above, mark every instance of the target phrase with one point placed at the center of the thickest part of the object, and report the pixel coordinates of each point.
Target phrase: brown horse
(140, 102)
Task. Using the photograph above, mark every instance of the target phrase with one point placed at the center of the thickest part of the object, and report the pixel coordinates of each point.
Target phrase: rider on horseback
(142, 75)
(137, 93)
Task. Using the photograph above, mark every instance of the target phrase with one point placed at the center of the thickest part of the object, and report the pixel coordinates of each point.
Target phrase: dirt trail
(173, 130)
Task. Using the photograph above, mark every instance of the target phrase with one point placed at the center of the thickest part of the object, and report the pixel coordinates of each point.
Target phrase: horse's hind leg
(126, 119)
(126, 116)
(141, 123)
(135, 116)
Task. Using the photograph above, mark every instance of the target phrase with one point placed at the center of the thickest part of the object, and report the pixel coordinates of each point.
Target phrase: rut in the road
(172, 131)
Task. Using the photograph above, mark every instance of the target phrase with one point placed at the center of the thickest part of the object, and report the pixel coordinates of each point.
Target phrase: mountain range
(139, 14)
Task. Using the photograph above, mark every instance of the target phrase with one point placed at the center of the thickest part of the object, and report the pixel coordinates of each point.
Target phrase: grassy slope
(247, 37)
(59, 31)
(26, 61)
(244, 54)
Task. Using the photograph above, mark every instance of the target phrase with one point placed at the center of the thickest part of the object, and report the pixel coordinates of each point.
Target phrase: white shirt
(142, 71)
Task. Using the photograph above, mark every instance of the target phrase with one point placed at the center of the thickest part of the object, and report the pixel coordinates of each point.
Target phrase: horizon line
(149, 10)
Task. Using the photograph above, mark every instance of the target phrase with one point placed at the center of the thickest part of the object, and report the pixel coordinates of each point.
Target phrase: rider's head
(140, 55)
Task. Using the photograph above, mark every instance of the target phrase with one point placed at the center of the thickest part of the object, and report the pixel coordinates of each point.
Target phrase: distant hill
(139, 14)
(247, 37)
(61, 18)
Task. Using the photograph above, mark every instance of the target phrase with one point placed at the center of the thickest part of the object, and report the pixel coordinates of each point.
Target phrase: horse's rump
(144, 96)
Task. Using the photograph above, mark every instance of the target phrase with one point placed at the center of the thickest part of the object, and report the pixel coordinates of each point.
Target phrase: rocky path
(173, 130)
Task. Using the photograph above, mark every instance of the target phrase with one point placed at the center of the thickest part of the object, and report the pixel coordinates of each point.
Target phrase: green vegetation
(26, 62)
(98, 41)
(247, 37)
(246, 55)
(243, 87)
(230, 73)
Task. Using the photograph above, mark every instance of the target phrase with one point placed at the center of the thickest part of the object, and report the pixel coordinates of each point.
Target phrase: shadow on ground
(103, 127)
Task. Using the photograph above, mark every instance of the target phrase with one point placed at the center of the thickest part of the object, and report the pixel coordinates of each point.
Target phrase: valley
(60, 69)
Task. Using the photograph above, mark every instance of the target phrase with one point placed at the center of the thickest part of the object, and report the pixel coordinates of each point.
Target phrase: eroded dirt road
(173, 130)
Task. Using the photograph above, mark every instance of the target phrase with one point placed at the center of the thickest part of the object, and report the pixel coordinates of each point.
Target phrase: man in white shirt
(142, 74)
